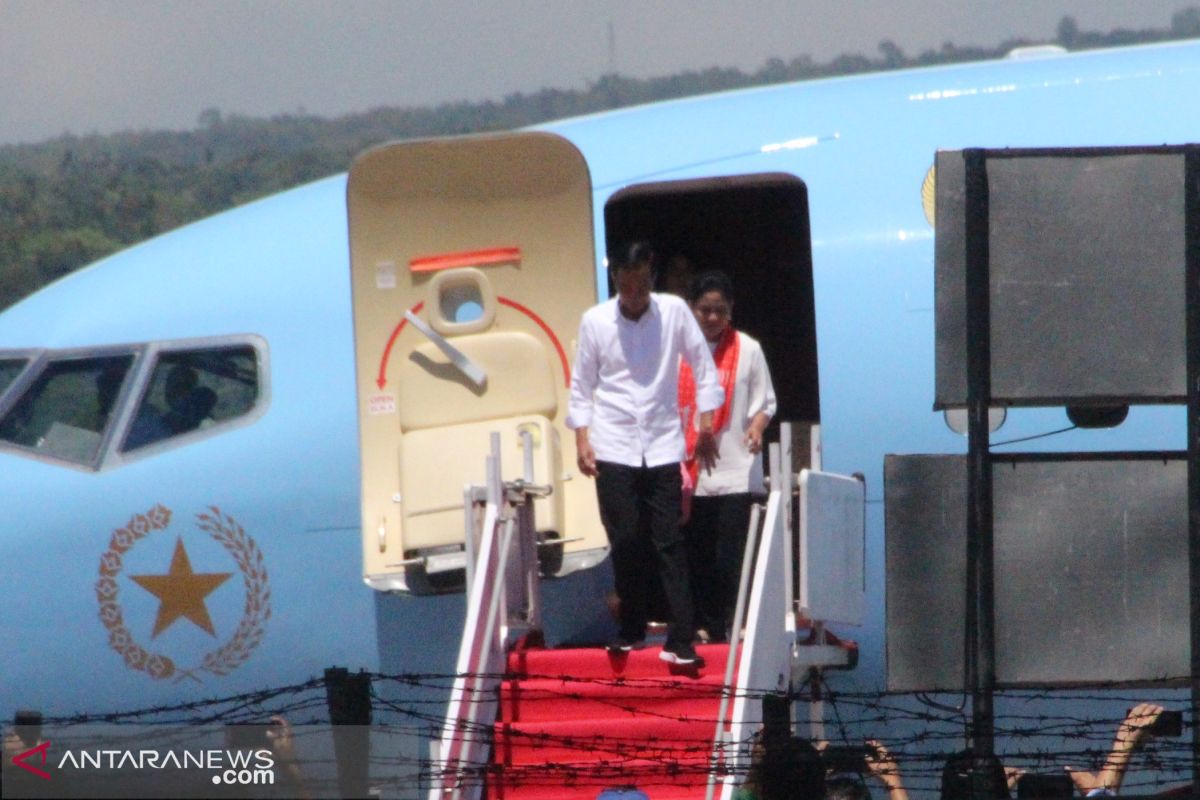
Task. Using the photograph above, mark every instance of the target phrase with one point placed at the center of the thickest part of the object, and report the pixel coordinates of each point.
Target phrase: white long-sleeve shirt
(737, 469)
(625, 383)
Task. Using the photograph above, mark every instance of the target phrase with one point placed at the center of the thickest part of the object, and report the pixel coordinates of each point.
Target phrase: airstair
(527, 721)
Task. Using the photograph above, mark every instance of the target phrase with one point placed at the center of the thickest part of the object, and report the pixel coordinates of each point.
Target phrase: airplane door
(471, 264)
(755, 229)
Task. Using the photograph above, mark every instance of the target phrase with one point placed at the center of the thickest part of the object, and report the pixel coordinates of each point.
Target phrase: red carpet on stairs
(574, 722)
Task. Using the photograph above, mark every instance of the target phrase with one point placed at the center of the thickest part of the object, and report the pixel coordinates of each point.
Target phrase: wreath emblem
(230, 655)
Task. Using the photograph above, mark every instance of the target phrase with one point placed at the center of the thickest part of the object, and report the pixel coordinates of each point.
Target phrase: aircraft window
(193, 390)
(10, 368)
(66, 410)
(462, 303)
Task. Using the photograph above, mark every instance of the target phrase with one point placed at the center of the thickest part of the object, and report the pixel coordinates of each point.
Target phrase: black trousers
(716, 542)
(640, 508)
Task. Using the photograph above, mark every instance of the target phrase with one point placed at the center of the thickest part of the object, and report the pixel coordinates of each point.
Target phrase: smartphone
(850, 758)
(1045, 786)
(247, 737)
(1169, 723)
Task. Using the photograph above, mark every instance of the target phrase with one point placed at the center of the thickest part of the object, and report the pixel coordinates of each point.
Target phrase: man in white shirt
(624, 410)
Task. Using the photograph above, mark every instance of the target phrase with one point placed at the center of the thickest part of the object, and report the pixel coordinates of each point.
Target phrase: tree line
(70, 200)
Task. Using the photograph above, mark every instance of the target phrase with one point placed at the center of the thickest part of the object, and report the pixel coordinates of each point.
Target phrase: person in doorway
(623, 408)
(679, 275)
(720, 510)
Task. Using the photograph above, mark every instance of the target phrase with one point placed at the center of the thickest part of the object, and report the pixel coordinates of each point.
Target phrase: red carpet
(573, 722)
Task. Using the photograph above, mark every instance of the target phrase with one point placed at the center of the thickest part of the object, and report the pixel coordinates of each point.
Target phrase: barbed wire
(1039, 730)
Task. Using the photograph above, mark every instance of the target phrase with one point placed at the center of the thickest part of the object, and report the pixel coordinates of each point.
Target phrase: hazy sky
(106, 65)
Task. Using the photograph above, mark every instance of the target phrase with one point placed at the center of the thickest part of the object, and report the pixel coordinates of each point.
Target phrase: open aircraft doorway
(472, 260)
(755, 229)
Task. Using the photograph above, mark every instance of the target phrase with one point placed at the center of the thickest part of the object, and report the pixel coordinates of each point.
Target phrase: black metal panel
(1092, 556)
(950, 281)
(925, 515)
(1091, 569)
(1087, 276)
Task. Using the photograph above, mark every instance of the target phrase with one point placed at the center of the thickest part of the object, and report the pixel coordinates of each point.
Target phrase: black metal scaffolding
(980, 644)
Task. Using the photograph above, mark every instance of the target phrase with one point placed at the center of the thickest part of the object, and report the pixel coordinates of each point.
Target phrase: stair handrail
(739, 614)
(502, 603)
(765, 649)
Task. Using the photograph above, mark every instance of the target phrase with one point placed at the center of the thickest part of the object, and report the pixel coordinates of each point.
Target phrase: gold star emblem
(181, 592)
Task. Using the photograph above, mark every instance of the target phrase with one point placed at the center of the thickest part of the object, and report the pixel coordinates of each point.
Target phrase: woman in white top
(720, 513)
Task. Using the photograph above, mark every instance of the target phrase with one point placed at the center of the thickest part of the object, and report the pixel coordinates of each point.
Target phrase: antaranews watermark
(230, 767)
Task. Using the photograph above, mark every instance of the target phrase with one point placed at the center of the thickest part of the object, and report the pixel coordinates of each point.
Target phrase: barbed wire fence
(1037, 730)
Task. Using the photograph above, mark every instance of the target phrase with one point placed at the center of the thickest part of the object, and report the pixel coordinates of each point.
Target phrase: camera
(850, 758)
(248, 737)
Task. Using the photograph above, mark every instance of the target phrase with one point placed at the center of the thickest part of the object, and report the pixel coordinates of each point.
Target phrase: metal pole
(349, 701)
(791, 525)
(981, 645)
(495, 487)
(470, 542)
(527, 452)
(1192, 271)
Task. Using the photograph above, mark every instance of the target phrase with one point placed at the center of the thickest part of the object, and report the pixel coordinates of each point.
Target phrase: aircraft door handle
(382, 534)
(473, 372)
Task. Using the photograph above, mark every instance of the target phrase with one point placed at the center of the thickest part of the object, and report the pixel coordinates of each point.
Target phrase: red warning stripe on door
(468, 258)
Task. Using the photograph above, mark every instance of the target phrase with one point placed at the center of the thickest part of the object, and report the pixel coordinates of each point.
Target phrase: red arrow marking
(381, 380)
(19, 760)
(562, 354)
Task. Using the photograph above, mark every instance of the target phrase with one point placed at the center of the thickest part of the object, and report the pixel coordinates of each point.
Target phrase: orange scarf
(726, 359)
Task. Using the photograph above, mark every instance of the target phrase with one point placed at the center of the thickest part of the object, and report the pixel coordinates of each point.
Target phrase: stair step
(584, 780)
(597, 662)
(658, 791)
(554, 698)
(576, 721)
(578, 740)
(590, 791)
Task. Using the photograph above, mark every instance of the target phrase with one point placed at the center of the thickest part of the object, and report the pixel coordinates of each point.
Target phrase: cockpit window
(102, 407)
(66, 410)
(10, 368)
(194, 389)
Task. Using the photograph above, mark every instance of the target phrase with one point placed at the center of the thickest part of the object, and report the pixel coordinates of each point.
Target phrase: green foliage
(71, 200)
